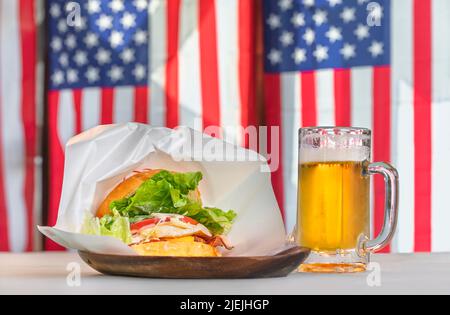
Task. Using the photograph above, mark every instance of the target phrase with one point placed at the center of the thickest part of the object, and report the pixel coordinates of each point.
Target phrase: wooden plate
(280, 265)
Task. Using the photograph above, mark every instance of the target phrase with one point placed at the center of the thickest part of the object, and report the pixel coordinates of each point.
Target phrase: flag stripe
(272, 95)
(422, 123)
(141, 104)
(4, 228)
(342, 96)
(325, 98)
(29, 65)
(56, 165)
(227, 19)
(123, 104)
(441, 140)
(291, 122)
(208, 63)
(381, 138)
(78, 107)
(403, 145)
(12, 126)
(91, 108)
(189, 66)
(67, 118)
(172, 75)
(107, 103)
(309, 103)
(159, 66)
(247, 46)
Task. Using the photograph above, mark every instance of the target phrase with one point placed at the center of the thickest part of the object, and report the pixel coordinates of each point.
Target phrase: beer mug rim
(335, 131)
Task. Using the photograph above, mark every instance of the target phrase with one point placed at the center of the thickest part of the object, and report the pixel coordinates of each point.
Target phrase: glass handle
(390, 175)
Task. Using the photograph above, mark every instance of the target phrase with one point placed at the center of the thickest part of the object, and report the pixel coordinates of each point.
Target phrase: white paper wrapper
(99, 159)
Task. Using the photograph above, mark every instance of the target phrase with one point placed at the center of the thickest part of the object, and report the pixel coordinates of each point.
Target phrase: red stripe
(77, 101)
(56, 165)
(28, 104)
(422, 123)
(342, 96)
(381, 137)
(107, 101)
(309, 101)
(209, 68)
(247, 83)
(141, 104)
(4, 236)
(272, 96)
(172, 68)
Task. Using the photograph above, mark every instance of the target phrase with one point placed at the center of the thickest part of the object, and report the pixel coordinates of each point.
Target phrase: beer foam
(310, 155)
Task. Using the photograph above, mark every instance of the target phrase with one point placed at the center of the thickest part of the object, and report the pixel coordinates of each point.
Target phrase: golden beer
(334, 205)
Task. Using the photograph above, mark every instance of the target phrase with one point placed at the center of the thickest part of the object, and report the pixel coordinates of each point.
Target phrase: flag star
(56, 44)
(298, 19)
(128, 20)
(116, 39)
(71, 41)
(105, 22)
(320, 17)
(334, 3)
(91, 40)
(140, 37)
(376, 49)
(93, 6)
(274, 21)
(117, 5)
(115, 73)
(127, 56)
(321, 53)
(55, 10)
(274, 56)
(62, 26)
(299, 56)
(64, 60)
(140, 5)
(348, 15)
(334, 34)
(103, 56)
(72, 76)
(80, 58)
(309, 3)
(362, 32)
(348, 51)
(309, 36)
(92, 74)
(139, 72)
(285, 4)
(287, 38)
(58, 78)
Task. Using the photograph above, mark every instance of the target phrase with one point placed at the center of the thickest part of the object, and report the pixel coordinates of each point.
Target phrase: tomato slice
(189, 220)
(139, 225)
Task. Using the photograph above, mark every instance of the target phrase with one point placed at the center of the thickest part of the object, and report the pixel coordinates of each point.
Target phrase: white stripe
(362, 113)
(189, 66)
(158, 58)
(11, 124)
(227, 16)
(91, 108)
(66, 117)
(441, 115)
(123, 104)
(403, 119)
(291, 118)
(325, 97)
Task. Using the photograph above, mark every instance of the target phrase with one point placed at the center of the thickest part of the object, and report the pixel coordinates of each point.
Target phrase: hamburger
(161, 213)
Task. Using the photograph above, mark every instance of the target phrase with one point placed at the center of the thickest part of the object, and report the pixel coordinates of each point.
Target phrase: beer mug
(334, 200)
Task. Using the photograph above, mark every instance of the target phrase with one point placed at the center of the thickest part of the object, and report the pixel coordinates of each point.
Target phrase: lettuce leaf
(114, 225)
(173, 194)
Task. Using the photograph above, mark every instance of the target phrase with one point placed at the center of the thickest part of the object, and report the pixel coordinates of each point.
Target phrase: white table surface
(45, 273)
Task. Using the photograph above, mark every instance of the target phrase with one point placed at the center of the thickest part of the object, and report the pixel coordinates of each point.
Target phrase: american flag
(378, 64)
(163, 62)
